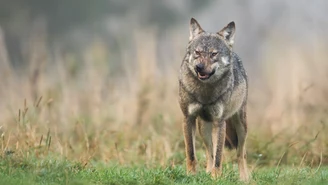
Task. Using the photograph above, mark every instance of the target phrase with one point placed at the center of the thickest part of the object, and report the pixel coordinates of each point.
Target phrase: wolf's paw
(191, 172)
(216, 173)
(191, 167)
(244, 176)
(209, 169)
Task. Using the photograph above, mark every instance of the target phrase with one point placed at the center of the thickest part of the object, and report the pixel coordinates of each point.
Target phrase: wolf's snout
(202, 72)
(200, 67)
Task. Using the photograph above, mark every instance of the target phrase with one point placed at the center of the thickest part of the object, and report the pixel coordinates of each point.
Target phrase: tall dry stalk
(146, 58)
(36, 52)
(5, 66)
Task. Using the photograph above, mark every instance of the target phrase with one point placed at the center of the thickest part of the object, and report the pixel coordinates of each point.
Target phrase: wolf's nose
(199, 67)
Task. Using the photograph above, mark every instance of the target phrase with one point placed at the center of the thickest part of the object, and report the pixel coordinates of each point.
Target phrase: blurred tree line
(18, 17)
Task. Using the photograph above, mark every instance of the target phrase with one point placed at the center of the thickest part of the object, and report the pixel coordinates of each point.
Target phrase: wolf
(213, 88)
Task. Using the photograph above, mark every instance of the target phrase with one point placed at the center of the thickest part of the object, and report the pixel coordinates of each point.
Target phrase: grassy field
(69, 118)
(58, 171)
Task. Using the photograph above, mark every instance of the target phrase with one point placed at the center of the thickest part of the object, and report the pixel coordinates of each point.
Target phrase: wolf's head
(210, 54)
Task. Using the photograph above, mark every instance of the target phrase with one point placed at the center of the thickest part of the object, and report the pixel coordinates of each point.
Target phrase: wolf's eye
(213, 54)
(197, 53)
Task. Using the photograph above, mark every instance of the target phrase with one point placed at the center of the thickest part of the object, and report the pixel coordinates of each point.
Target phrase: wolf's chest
(220, 110)
(207, 112)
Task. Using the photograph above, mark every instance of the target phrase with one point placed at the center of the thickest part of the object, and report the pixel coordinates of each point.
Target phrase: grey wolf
(213, 88)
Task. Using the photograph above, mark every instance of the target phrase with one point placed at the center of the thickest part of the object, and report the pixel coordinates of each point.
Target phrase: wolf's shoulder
(238, 67)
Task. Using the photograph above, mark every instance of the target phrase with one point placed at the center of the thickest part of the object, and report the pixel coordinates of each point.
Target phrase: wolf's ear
(228, 33)
(195, 29)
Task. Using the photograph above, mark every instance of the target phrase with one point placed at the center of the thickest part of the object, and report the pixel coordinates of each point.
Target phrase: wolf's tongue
(203, 75)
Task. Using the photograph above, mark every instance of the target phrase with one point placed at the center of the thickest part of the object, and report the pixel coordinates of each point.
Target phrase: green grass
(59, 171)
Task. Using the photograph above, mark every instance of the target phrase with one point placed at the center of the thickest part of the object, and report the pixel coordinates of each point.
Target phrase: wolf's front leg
(218, 135)
(189, 129)
(205, 130)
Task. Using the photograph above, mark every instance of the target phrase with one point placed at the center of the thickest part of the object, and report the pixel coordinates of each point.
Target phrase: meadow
(69, 118)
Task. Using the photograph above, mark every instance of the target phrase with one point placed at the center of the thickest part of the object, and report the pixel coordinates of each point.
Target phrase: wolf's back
(239, 70)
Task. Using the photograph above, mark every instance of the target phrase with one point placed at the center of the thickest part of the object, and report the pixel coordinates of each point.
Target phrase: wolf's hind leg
(205, 131)
(240, 123)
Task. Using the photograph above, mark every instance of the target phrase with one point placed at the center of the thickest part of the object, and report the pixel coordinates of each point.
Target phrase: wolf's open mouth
(204, 75)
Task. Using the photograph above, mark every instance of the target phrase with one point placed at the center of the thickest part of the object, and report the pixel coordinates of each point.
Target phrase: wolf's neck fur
(209, 92)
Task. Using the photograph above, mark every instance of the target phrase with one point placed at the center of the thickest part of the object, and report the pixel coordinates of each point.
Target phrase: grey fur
(213, 89)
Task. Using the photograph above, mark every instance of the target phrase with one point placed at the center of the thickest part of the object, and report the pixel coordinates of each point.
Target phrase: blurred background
(97, 80)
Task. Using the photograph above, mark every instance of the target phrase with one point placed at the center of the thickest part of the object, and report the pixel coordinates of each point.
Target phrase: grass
(52, 170)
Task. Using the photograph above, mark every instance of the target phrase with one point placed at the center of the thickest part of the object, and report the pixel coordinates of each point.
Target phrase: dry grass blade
(40, 140)
(38, 102)
(320, 163)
